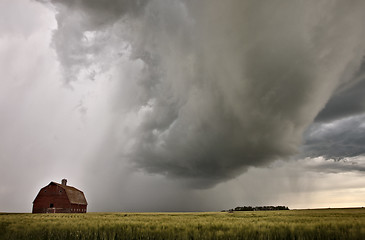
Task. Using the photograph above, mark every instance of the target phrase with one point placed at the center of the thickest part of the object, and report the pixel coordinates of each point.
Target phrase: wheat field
(293, 224)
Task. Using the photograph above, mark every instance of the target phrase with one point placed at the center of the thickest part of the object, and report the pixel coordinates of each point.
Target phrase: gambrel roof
(74, 195)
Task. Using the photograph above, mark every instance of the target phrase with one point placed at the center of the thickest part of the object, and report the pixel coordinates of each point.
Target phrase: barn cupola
(64, 182)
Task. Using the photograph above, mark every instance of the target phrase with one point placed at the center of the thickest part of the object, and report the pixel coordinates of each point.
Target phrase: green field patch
(293, 224)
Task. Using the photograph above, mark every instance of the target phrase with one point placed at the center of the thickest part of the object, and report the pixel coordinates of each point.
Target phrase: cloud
(98, 12)
(336, 140)
(207, 89)
(355, 164)
(349, 100)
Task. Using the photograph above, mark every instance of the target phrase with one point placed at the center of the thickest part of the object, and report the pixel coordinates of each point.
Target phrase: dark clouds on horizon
(215, 87)
(339, 139)
(338, 130)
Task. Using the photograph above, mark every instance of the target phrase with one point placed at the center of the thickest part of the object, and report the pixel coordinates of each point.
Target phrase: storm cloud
(207, 89)
(336, 140)
(347, 101)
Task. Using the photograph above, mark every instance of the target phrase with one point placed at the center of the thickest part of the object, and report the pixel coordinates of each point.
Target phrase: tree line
(258, 208)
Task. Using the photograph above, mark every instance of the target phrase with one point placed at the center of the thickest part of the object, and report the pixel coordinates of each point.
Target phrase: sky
(181, 105)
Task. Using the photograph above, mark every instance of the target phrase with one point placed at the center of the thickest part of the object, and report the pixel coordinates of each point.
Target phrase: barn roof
(74, 195)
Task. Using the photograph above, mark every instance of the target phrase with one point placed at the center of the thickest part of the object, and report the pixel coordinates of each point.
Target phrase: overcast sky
(181, 105)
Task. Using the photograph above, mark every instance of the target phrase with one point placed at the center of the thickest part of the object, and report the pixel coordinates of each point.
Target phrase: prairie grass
(293, 224)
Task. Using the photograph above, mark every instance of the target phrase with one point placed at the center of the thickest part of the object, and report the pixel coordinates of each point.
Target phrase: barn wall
(78, 208)
(51, 194)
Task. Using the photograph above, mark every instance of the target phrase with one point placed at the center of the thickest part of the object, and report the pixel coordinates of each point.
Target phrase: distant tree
(259, 208)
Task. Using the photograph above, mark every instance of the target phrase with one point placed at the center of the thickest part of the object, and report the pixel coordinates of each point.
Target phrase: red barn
(59, 198)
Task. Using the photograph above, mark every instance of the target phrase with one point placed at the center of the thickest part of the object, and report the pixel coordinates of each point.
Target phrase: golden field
(293, 224)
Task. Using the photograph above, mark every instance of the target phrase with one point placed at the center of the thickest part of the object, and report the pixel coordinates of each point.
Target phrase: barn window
(51, 205)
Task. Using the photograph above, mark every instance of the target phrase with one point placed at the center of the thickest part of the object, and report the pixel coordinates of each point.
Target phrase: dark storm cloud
(216, 86)
(338, 131)
(347, 101)
(336, 140)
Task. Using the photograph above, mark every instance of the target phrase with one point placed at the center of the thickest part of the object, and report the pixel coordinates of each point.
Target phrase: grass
(294, 224)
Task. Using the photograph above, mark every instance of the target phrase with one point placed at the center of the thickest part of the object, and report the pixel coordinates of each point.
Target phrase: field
(293, 224)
